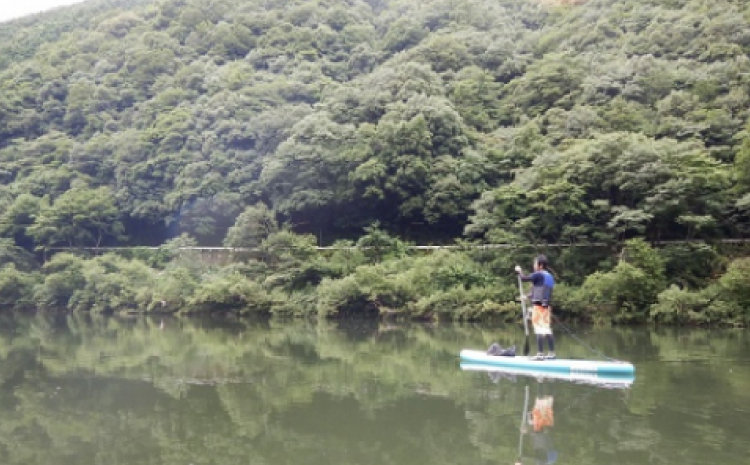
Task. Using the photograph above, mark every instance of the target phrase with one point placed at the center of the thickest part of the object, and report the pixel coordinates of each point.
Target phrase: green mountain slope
(131, 121)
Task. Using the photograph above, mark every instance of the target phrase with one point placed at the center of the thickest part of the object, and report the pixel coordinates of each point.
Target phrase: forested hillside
(503, 118)
(130, 122)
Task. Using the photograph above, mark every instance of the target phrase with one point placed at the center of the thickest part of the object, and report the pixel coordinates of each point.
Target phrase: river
(120, 391)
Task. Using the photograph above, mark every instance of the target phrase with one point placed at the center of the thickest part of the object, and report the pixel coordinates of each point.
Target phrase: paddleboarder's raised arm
(523, 276)
(536, 278)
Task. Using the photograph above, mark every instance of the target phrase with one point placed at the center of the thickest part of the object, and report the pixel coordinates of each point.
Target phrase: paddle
(525, 318)
(523, 420)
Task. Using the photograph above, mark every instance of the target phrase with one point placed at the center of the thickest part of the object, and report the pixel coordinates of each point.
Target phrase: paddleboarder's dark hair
(541, 260)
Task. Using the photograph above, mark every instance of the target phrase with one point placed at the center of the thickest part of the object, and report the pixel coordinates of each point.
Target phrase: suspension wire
(584, 344)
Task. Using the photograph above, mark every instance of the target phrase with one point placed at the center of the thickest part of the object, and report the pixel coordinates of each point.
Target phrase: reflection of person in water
(542, 419)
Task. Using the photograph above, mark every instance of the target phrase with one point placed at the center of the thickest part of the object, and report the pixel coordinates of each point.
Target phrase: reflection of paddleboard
(597, 380)
(547, 367)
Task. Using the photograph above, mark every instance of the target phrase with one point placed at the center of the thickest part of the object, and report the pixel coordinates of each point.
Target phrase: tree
(14, 255)
(632, 286)
(403, 34)
(252, 227)
(18, 217)
(81, 216)
(742, 163)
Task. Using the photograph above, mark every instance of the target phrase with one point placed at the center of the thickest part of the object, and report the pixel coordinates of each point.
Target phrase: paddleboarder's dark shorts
(541, 318)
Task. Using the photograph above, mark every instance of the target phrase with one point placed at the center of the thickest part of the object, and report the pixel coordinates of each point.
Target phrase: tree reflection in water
(77, 389)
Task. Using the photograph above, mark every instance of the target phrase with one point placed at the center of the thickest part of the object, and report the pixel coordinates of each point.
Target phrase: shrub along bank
(379, 276)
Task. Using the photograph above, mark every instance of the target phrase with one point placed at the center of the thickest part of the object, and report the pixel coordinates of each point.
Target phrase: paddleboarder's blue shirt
(542, 284)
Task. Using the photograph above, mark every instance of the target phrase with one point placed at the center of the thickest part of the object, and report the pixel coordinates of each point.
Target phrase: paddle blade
(526, 346)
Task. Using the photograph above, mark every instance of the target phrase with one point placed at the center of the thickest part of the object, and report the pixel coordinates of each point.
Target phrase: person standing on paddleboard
(542, 283)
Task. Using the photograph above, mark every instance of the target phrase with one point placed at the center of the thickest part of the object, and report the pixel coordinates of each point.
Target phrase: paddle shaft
(523, 420)
(525, 317)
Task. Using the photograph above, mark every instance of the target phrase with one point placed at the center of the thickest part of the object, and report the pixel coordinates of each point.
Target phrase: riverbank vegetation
(380, 276)
(288, 124)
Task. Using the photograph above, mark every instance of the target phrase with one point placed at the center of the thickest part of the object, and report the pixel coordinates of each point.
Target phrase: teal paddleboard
(559, 366)
(615, 382)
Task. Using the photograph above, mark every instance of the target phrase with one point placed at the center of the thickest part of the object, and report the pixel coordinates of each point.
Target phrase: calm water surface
(77, 390)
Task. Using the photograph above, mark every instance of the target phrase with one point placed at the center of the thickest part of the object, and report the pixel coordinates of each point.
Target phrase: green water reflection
(76, 390)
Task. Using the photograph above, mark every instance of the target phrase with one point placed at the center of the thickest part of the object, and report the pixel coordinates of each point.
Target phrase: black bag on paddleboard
(497, 349)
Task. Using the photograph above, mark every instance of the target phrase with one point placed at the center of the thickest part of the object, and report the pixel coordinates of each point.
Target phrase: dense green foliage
(510, 118)
(129, 122)
(380, 276)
